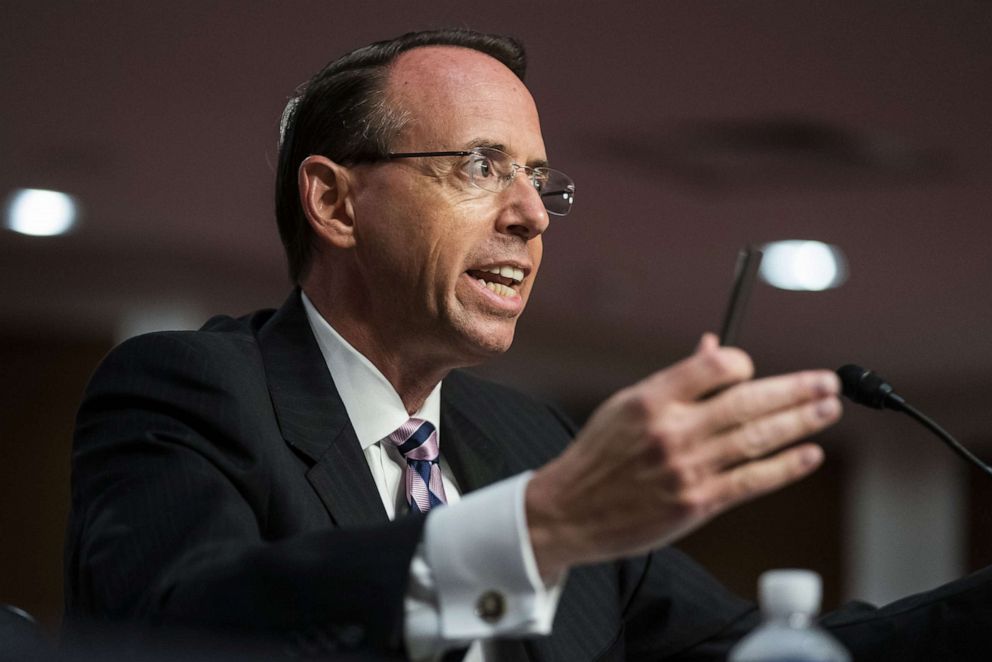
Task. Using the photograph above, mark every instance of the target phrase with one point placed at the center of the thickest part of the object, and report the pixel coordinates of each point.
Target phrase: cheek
(397, 232)
(536, 250)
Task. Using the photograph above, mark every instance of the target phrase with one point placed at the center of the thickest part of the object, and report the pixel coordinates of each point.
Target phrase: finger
(753, 400)
(711, 367)
(764, 435)
(759, 477)
(707, 342)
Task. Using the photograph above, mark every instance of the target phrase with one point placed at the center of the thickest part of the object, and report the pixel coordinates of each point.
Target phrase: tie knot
(416, 440)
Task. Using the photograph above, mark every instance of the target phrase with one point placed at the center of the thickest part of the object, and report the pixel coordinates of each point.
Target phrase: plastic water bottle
(790, 599)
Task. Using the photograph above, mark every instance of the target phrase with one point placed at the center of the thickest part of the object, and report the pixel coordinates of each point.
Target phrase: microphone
(866, 388)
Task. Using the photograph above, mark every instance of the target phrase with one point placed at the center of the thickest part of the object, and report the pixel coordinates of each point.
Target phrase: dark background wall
(44, 375)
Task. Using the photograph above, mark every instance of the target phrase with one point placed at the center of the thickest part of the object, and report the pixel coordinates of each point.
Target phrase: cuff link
(491, 606)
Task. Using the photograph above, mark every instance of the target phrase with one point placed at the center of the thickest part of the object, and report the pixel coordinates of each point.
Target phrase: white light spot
(41, 213)
(803, 265)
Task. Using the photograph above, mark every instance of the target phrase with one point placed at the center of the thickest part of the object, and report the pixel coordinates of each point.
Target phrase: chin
(480, 347)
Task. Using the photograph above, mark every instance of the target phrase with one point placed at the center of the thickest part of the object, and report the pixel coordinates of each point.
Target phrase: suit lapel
(313, 419)
(474, 457)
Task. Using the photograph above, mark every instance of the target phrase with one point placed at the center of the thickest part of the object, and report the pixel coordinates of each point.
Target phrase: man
(255, 476)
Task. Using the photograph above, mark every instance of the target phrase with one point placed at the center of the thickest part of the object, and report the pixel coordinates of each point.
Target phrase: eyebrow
(485, 142)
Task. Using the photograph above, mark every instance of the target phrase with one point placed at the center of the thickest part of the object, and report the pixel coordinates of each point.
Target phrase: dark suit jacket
(218, 483)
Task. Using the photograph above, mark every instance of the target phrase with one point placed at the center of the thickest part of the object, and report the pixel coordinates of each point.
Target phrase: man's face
(425, 236)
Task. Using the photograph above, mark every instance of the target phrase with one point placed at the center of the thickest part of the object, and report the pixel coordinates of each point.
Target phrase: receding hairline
(438, 49)
(389, 92)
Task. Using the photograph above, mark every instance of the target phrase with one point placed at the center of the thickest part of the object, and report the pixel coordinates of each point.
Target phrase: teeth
(498, 288)
(508, 272)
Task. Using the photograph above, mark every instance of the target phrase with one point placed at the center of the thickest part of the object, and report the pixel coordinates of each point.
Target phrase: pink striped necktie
(416, 440)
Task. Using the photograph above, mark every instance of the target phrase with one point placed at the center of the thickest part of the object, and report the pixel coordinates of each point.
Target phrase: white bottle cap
(784, 592)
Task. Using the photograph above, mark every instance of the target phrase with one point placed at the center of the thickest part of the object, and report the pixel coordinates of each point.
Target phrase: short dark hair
(342, 113)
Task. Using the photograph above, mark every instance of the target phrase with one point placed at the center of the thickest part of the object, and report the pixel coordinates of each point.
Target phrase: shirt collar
(374, 407)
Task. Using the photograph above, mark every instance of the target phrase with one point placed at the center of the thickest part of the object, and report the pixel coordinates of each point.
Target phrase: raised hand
(659, 458)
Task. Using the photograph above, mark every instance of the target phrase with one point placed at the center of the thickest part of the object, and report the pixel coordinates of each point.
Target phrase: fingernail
(811, 456)
(827, 408)
(827, 384)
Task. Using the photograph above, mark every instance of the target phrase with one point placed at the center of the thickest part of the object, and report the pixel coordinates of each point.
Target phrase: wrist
(547, 527)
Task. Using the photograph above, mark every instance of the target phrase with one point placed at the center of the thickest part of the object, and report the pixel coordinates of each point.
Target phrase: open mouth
(502, 280)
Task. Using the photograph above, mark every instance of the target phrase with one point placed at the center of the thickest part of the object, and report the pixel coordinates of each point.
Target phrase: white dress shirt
(479, 546)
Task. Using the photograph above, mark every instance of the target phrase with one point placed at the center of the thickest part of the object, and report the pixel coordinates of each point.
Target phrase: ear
(325, 189)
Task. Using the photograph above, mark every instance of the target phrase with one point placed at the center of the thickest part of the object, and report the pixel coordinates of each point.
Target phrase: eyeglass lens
(557, 190)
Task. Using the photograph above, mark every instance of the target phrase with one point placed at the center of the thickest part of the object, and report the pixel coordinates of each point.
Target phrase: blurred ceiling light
(803, 265)
(41, 213)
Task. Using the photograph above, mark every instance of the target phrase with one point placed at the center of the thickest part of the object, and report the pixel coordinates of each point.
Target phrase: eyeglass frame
(529, 170)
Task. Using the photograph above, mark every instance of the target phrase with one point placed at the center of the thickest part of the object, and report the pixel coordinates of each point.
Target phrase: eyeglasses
(493, 170)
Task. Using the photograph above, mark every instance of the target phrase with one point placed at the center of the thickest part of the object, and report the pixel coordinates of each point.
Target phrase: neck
(413, 381)
(412, 374)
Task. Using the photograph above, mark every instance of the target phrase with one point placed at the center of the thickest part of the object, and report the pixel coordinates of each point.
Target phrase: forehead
(454, 97)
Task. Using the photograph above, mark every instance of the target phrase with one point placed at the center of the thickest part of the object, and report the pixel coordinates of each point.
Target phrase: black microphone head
(866, 388)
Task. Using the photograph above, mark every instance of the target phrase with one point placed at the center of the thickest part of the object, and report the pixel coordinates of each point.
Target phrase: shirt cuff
(482, 562)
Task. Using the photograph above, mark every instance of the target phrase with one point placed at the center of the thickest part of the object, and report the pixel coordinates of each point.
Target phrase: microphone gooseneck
(867, 388)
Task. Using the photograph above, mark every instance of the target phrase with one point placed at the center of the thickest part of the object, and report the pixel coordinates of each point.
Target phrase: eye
(479, 167)
(539, 177)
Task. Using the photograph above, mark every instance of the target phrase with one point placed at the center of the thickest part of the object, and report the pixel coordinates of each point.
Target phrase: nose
(524, 214)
